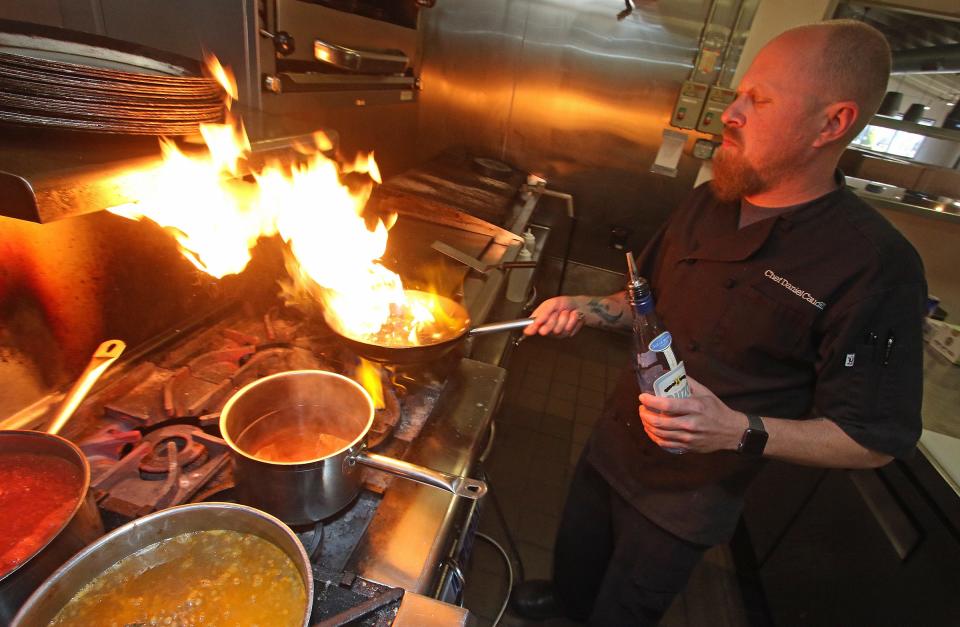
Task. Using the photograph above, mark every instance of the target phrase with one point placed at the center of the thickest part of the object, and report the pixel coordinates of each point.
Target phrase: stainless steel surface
(461, 486)
(106, 354)
(318, 402)
(499, 327)
(44, 604)
(417, 610)
(81, 528)
(417, 527)
(564, 90)
(360, 60)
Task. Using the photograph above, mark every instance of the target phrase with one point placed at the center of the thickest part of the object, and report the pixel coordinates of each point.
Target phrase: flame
(332, 256)
(368, 375)
(223, 76)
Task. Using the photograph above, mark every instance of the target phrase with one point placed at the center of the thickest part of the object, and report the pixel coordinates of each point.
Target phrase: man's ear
(840, 116)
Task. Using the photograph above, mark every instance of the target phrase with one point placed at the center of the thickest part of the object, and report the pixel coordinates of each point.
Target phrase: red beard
(734, 177)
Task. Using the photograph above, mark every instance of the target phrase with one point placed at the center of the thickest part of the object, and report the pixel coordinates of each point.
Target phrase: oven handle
(357, 60)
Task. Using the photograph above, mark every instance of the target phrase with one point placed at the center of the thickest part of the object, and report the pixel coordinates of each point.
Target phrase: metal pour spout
(637, 286)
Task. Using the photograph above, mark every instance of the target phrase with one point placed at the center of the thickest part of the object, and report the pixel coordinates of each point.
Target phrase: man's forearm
(606, 312)
(817, 442)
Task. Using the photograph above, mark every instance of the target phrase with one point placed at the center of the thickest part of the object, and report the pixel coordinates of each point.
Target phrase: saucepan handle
(105, 355)
(497, 327)
(461, 486)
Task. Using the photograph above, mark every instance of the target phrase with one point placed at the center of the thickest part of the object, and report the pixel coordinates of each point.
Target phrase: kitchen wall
(564, 89)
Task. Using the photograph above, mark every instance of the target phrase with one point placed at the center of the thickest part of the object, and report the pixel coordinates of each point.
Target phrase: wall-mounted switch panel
(689, 105)
(718, 99)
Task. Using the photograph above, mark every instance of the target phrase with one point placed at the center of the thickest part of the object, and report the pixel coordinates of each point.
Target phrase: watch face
(753, 442)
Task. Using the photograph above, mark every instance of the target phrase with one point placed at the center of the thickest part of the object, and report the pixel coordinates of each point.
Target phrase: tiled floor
(555, 392)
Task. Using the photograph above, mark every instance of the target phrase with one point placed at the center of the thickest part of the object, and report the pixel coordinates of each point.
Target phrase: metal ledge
(50, 175)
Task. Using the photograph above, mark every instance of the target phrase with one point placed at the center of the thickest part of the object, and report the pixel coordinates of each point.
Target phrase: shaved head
(851, 62)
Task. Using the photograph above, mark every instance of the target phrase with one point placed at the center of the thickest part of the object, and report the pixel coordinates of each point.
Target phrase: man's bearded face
(733, 176)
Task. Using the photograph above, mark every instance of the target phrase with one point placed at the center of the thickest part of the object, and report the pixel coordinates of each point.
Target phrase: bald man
(797, 309)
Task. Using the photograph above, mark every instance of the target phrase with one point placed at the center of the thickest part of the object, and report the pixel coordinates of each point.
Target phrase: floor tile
(560, 407)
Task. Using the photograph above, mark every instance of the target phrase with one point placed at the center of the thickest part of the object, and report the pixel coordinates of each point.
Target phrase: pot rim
(85, 471)
(358, 441)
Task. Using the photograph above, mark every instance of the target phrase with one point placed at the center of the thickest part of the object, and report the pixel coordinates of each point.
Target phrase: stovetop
(156, 442)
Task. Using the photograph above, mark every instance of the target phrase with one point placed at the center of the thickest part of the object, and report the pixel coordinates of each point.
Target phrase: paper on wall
(669, 154)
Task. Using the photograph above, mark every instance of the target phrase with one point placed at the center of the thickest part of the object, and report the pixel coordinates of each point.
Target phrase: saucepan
(452, 326)
(48, 513)
(297, 439)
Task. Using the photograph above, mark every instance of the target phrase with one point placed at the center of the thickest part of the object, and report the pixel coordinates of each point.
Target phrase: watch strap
(754, 438)
(755, 422)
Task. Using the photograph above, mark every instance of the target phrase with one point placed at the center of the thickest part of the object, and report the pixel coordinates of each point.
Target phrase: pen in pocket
(888, 348)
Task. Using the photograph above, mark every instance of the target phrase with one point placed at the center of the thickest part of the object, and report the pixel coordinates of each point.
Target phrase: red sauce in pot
(37, 495)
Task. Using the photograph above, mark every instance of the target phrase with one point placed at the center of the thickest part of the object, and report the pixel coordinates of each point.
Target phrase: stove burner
(167, 468)
(188, 452)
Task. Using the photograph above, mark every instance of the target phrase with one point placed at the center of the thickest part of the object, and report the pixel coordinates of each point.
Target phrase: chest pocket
(759, 327)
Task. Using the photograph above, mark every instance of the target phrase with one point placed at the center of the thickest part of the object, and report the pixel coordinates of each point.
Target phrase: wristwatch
(754, 439)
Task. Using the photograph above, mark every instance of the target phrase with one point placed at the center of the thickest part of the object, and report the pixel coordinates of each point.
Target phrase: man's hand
(564, 316)
(700, 424)
(559, 317)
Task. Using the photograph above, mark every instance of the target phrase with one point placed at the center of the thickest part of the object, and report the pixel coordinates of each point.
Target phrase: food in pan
(289, 436)
(38, 493)
(202, 578)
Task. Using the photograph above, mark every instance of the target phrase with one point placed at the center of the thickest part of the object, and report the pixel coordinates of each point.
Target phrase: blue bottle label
(661, 342)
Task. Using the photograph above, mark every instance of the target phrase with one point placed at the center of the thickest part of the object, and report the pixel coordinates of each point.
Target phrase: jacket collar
(718, 238)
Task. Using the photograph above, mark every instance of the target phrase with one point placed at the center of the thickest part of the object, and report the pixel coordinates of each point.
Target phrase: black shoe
(535, 600)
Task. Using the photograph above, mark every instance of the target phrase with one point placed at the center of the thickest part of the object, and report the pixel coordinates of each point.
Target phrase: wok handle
(497, 327)
(461, 486)
(105, 355)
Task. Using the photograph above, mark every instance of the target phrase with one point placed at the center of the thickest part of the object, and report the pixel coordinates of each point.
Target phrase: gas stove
(153, 441)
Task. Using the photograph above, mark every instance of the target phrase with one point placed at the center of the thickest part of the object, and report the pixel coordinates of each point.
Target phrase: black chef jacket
(788, 317)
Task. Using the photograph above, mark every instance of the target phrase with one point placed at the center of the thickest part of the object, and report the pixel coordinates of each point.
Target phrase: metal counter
(412, 542)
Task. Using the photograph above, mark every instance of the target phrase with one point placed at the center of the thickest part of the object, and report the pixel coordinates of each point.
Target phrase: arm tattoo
(602, 311)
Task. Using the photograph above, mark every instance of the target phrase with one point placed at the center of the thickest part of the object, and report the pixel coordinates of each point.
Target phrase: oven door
(372, 38)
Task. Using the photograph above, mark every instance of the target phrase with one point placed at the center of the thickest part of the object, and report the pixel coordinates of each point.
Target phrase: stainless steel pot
(44, 604)
(317, 402)
(83, 525)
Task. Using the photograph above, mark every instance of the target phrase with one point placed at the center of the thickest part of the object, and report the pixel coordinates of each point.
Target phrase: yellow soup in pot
(202, 578)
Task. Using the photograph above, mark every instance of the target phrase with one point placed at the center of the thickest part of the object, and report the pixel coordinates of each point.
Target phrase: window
(891, 141)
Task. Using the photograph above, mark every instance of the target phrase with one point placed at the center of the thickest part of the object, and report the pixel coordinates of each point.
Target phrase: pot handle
(105, 355)
(461, 486)
(497, 327)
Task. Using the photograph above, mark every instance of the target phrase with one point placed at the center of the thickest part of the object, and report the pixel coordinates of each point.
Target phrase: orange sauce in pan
(202, 578)
(37, 494)
(283, 437)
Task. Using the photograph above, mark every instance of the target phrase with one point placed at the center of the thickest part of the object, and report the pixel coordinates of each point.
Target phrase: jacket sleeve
(870, 370)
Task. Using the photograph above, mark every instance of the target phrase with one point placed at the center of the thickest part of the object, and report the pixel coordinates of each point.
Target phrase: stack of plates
(65, 79)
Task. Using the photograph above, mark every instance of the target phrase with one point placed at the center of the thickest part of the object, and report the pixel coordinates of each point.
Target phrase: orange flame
(333, 257)
(223, 76)
(368, 375)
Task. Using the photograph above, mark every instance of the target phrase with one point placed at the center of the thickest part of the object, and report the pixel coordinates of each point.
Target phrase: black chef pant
(612, 566)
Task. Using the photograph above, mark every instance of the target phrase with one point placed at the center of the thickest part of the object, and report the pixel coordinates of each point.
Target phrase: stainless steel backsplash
(564, 89)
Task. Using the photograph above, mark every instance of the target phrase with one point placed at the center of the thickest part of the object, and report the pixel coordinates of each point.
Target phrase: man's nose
(733, 114)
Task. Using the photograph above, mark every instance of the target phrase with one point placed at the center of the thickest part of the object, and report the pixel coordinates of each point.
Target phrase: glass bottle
(658, 370)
